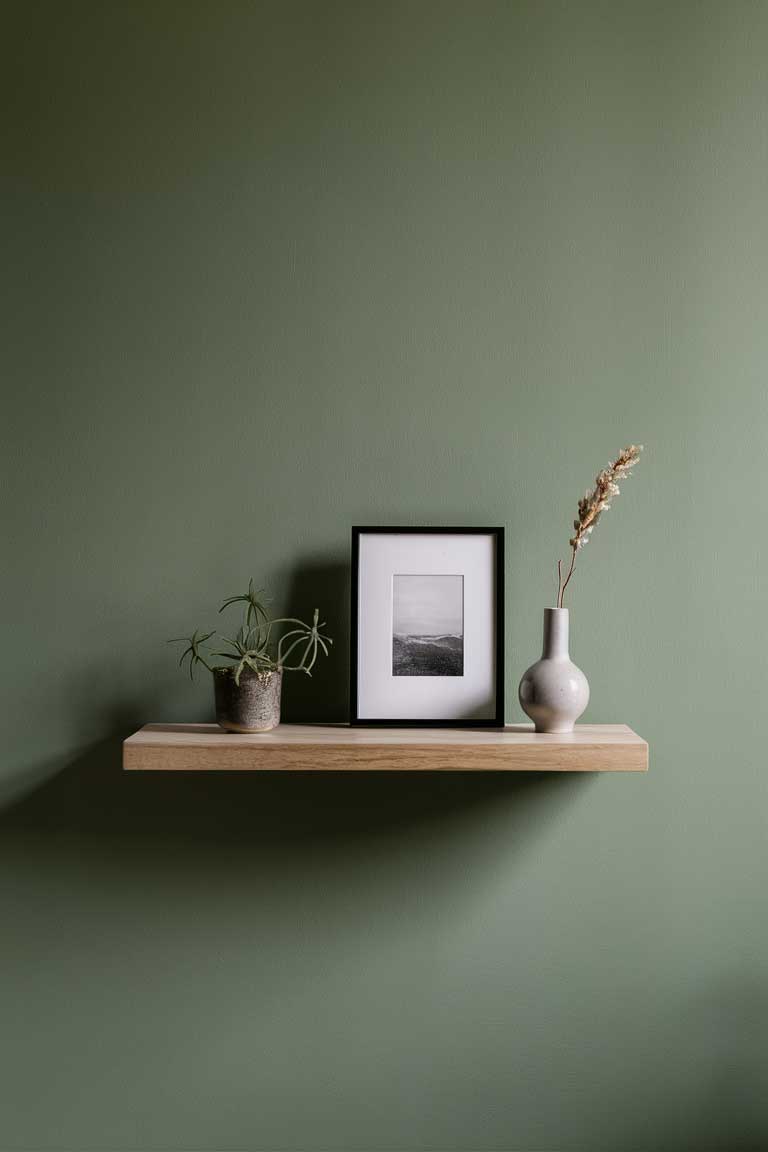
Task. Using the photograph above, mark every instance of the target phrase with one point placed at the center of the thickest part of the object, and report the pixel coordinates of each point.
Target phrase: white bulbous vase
(554, 692)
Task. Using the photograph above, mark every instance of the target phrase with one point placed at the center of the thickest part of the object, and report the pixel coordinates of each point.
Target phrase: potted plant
(247, 688)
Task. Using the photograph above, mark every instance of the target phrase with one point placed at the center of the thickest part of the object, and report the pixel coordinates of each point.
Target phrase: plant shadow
(324, 695)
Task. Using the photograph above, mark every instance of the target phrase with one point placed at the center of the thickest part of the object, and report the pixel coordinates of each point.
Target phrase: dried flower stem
(593, 504)
(561, 586)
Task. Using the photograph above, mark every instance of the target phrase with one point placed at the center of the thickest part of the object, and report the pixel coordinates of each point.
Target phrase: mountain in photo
(441, 655)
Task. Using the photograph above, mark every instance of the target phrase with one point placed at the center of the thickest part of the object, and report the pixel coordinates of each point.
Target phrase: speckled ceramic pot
(554, 692)
(251, 706)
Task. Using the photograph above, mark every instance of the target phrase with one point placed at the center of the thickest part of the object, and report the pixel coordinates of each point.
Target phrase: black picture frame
(497, 532)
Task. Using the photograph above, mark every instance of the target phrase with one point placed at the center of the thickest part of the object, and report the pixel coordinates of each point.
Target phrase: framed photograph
(427, 627)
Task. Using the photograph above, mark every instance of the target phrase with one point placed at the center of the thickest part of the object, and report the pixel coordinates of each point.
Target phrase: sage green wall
(273, 269)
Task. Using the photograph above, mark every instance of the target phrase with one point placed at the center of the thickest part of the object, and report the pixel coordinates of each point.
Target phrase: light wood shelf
(337, 747)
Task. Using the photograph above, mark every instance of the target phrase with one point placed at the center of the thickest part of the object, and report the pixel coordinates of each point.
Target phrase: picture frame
(427, 627)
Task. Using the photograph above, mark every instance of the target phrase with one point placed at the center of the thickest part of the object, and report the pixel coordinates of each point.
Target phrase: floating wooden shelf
(337, 747)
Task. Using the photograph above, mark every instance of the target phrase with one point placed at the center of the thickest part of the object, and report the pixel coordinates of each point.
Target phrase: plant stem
(567, 579)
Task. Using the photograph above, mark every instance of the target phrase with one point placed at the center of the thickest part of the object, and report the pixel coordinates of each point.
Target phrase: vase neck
(555, 634)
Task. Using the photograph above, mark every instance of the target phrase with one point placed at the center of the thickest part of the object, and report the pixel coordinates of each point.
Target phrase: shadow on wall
(90, 795)
(323, 696)
(726, 1022)
(353, 849)
(287, 818)
(731, 1016)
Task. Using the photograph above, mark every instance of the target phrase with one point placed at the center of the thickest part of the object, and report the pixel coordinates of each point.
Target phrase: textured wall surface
(272, 269)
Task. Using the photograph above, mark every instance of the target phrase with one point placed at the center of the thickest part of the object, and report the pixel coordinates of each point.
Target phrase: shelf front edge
(148, 755)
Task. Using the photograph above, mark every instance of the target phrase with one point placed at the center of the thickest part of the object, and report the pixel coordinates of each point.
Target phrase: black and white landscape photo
(427, 625)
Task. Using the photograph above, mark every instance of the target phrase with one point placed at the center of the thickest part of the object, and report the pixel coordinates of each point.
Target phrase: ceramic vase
(554, 692)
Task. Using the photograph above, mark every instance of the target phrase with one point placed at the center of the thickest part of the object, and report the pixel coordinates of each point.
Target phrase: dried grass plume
(593, 504)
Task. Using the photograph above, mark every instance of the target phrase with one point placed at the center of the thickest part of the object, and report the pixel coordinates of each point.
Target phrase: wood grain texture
(339, 748)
